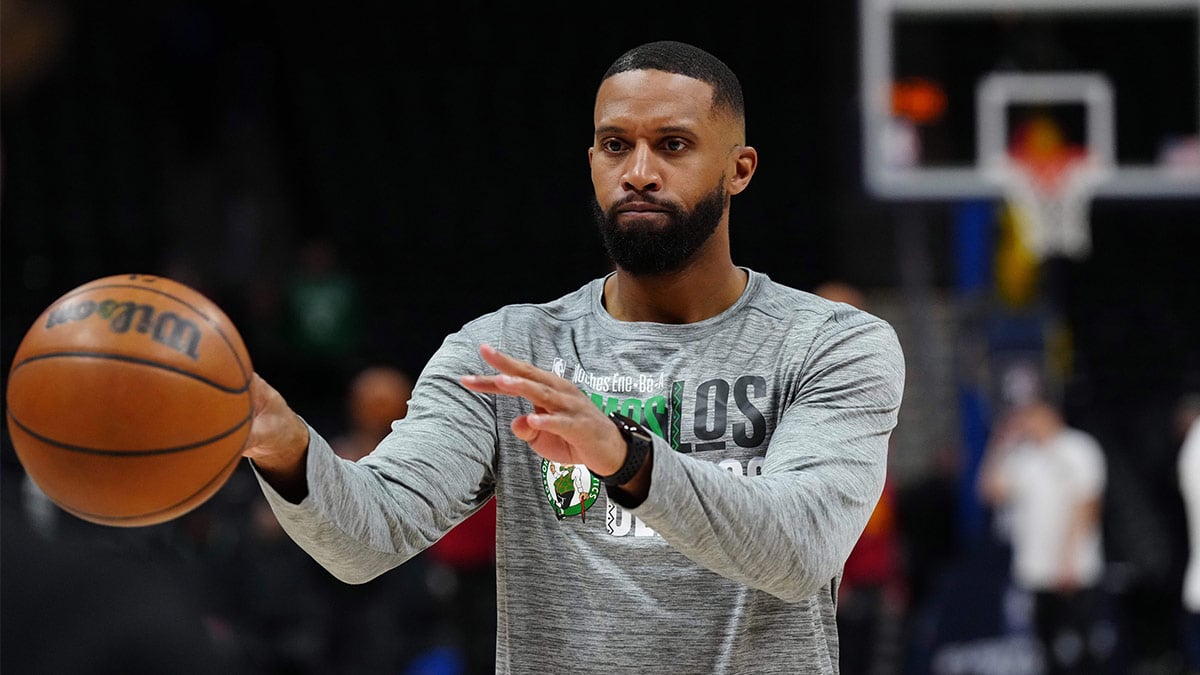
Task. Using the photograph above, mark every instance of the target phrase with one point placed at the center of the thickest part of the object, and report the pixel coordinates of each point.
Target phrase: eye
(675, 145)
(612, 145)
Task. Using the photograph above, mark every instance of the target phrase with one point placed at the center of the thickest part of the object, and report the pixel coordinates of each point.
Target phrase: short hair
(690, 61)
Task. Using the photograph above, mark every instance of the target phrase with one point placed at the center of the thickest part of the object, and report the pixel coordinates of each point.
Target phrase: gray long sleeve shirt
(772, 422)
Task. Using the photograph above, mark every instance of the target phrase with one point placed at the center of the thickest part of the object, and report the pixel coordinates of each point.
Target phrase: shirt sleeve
(436, 468)
(1089, 471)
(789, 531)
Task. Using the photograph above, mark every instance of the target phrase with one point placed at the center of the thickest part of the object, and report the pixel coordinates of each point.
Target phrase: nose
(641, 173)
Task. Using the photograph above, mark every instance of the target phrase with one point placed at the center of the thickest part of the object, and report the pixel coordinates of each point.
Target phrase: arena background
(438, 154)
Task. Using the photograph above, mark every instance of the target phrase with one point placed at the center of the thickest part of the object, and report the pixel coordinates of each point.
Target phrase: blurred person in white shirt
(1051, 478)
(1189, 487)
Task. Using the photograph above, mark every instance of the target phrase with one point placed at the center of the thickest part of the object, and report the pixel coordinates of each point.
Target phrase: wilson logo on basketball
(166, 328)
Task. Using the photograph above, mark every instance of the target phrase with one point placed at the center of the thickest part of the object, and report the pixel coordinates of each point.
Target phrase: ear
(745, 161)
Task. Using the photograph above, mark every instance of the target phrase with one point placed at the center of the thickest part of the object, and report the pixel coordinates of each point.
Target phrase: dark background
(440, 150)
(443, 152)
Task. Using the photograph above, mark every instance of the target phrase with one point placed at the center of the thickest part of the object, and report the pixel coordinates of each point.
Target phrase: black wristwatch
(638, 442)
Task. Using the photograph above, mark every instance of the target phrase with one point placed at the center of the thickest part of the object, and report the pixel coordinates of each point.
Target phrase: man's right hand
(278, 441)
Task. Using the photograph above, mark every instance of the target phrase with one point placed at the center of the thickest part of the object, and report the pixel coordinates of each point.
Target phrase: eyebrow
(663, 131)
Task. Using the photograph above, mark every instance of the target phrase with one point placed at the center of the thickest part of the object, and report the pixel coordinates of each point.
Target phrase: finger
(543, 442)
(576, 430)
(523, 430)
(537, 393)
(259, 390)
(565, 426)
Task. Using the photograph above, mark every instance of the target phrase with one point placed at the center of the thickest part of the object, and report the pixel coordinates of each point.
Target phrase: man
(734, 432)
(1051, 477)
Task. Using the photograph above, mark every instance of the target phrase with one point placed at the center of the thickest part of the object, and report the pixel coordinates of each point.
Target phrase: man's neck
(694, 294)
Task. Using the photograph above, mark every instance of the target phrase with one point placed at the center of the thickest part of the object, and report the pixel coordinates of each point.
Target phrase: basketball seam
(215, 326)
(100, 517)
(127, 453)
(136, 360)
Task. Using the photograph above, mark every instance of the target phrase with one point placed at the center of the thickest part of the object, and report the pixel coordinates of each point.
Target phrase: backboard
(947, 85)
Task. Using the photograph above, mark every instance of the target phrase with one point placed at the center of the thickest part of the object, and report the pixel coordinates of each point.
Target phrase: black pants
(1191, 642)
(1066, 625)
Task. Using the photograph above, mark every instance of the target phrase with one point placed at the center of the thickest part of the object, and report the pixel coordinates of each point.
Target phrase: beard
(646, 251)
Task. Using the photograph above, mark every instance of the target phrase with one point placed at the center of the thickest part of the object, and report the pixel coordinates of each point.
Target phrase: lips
(640, 207)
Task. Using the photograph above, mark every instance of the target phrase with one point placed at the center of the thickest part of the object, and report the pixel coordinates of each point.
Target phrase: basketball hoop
(1048, 182)
(1051, 199)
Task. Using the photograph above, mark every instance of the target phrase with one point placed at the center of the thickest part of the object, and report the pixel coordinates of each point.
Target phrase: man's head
(684, 59)
(378, 396)
(1187, 411)
(669, 151)
(842, 291)
(1041, 420)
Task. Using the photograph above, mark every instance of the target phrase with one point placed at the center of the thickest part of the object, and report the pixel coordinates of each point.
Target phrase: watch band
(638, 443)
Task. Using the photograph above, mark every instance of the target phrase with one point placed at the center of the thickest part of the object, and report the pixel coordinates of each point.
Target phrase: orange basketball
(129, 400)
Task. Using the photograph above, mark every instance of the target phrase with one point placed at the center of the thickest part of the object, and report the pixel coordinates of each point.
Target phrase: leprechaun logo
(570, 488)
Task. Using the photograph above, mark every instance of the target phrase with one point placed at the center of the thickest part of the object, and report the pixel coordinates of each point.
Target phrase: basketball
(129, 400)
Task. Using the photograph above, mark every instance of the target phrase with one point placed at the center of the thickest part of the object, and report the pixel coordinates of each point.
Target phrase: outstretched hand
(278, 441)
(565, 426)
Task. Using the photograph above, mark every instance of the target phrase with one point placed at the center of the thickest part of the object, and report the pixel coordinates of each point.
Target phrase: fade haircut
(690, 61)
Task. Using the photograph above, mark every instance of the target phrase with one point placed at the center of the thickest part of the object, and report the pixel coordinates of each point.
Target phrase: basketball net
(1048, 186)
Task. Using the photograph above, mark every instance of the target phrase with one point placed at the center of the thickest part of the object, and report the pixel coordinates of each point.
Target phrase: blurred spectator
(1189, 485)
(1050, 480)
(385, 625)
(872, 595)
(324, 328)
(842, 291)
(378, 396)
(457, 623)
(324, 304)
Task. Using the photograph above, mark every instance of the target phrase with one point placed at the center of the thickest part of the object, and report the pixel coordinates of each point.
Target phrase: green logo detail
(676, 412)
(570, 488)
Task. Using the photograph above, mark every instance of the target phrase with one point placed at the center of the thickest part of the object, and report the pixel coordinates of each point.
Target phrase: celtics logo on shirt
(723, 416)
(570, 488)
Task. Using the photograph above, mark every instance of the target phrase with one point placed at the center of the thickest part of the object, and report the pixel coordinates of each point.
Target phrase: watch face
(629, 428)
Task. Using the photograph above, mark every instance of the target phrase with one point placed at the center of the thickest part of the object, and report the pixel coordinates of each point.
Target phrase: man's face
(660, 160)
